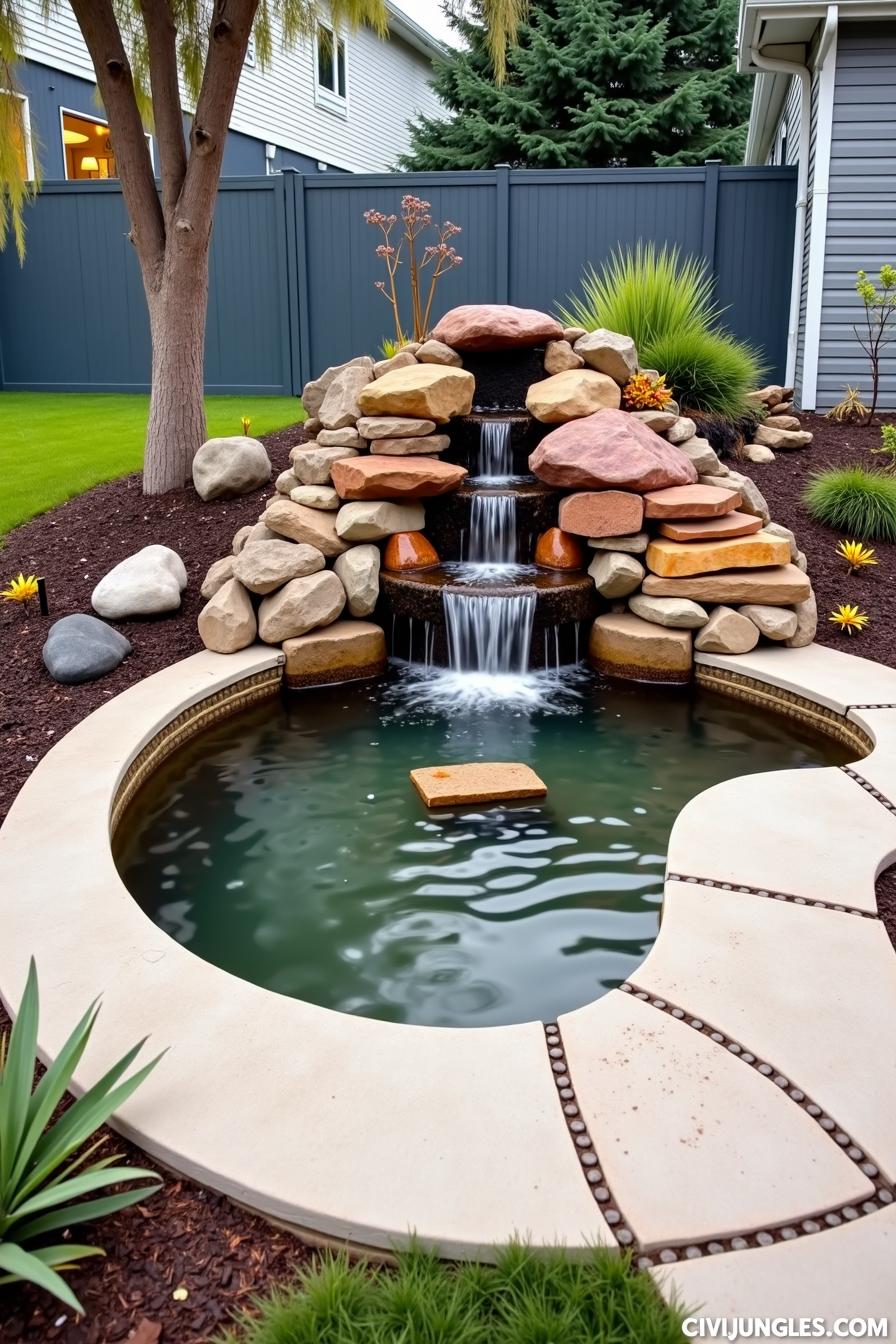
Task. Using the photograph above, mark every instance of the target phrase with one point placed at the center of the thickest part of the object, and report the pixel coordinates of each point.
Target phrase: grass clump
(664, 302)
(523, 1299)
(855, 501)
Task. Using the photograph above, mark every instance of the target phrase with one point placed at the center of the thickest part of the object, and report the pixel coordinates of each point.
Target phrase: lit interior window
(88, 148)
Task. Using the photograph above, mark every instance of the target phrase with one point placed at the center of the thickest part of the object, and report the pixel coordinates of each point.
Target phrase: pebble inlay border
(764, 695)
(786, 896)
(869, 787)
(819, 1222)
(578, 1132)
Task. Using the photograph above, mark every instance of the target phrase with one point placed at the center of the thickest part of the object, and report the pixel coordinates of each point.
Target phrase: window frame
(94, 121)
(26, 130)
(331, 99)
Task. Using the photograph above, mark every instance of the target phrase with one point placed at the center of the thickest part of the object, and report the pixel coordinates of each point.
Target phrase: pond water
(288, 846)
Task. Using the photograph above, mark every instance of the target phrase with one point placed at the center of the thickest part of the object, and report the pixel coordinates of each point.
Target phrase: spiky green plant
(664, 301)
(524, 1297)
(40, 1192)
(855, 501)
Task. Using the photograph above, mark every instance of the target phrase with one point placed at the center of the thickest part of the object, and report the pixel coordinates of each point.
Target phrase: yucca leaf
(85, 1212)
(36, 1267)
(79, 1122)
(15, 1083)
(50, 1090)
(88, 1181)
(79, 1161)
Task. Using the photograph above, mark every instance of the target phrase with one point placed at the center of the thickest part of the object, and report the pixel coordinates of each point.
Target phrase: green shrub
(707, 370)
(525, 1297)
(855, 501)
(665, 303)
(887, 445)
(39, 1190)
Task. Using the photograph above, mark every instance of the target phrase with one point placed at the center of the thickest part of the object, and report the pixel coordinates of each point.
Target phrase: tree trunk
(177, 311)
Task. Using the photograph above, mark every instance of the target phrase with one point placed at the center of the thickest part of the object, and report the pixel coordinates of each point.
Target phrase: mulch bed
(187, 1236)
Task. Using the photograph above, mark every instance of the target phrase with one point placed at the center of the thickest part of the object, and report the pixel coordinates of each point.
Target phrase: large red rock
(495, 326)
(380, 477)
(602, 513)
(610, 449)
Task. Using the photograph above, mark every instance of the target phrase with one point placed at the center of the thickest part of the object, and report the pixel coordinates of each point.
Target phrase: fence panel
(293, 265)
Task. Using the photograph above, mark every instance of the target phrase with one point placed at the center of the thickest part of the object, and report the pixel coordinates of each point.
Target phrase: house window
(87, 147)
(21, 132)
(330, 69)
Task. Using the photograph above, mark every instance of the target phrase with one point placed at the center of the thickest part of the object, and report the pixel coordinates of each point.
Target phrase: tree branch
(161, 36)
(100, 31)
(229, 33)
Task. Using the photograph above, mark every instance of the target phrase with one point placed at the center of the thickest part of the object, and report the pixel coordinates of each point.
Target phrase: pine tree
(591, 84)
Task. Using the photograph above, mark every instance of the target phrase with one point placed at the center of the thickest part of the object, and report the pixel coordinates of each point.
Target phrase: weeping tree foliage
(141, 51)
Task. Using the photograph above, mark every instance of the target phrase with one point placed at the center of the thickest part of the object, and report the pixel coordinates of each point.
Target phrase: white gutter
(804, 75)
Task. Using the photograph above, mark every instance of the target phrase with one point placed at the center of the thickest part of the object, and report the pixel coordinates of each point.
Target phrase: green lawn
(54, 445)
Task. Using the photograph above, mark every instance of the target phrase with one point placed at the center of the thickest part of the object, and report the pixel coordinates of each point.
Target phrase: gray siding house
(825, 100)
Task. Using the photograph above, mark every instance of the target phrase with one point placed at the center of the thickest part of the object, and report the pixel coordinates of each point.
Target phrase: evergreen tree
(591, 84)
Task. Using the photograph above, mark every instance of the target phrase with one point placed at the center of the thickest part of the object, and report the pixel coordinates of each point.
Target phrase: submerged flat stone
(479, 782)
(781, 586)
(678, 559)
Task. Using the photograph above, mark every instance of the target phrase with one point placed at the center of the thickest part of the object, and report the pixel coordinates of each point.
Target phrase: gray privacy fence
(293, 265)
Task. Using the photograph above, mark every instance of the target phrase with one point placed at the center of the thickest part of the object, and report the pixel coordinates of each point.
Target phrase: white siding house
(348, 113)
(825, 100)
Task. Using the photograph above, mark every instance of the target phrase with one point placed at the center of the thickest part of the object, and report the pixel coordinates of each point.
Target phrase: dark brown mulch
(885, 889)
(183, 1237)
(73, 546)
(782, 482)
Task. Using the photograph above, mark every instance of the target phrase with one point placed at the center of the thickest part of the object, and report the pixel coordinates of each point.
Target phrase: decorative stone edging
(582, 1140)
(764, 695)
(188, 724)
(869, 787)
(741, 890)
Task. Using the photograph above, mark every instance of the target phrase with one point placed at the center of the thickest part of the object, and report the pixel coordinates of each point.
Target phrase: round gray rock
(225, 468)
(82, 648)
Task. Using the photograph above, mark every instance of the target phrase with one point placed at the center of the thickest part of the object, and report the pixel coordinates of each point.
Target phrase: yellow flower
(849, 618)
(856, 554)
(246, 422)
(642, 393)
(20, 589)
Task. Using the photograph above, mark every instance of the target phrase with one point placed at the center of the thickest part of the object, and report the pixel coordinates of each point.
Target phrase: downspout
(804, 75)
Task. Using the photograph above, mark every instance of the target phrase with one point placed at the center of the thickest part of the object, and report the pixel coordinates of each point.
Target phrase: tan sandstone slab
(803, 989)
(601, 513)
(394, 427)
(299, 523)
(426, 391)
(787, 831)
(693, 1144)
(732, 524)
(381, 477)
(781, 586)
(571, 395)
(690, 501)
(678, 559)
(344, 651)
(478, 782)
(844, 1273)
(624, 645)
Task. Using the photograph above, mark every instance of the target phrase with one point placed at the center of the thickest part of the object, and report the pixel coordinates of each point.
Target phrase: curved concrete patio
(727, 1115)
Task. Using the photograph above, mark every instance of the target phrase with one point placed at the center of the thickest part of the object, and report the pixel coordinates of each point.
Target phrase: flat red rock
(732, 524)
(690, 501)
(495, 326)
(601, 513)
(380, 477)
(610, 449)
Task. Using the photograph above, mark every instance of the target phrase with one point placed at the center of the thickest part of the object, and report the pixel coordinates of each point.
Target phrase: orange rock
(677, 559)
(409, 550)
(381, 477)
(732, 524)
(601, 513)
(479, 782)
(690, 501)
(557, 549)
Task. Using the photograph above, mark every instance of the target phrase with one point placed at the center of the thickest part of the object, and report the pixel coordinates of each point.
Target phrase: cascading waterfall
(493, 538)
(495, 454)
(489, 634)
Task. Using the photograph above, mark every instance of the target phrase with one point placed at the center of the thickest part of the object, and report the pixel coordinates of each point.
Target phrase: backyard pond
(288, 846)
